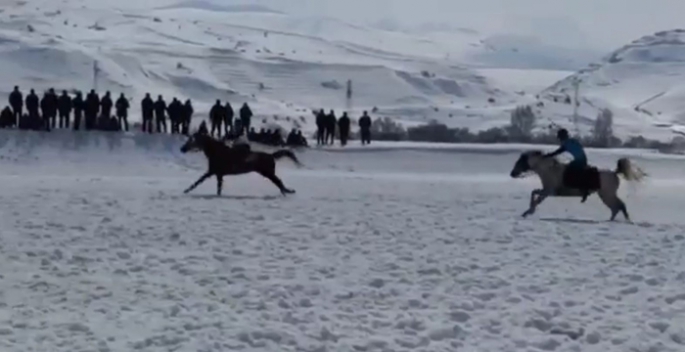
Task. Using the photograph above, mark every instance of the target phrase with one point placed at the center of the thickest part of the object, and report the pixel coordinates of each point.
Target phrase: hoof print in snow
(377, 283)
(452, 333)
(659, 326)
(593, 338)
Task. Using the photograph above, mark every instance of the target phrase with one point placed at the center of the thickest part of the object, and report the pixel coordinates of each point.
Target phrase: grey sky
(603, 24)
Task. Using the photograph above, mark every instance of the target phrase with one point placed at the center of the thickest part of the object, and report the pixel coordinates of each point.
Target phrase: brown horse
(239, 159)
(551, 174)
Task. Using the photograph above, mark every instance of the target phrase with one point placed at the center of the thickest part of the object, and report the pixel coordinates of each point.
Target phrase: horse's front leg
(197, 183)
(541, 194)
(219, 184)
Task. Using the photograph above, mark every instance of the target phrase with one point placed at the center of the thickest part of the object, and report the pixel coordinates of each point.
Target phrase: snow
(407, 249)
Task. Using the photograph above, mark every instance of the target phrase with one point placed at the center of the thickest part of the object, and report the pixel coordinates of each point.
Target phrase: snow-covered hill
(280, 63)
(286, 64)
(642, 82)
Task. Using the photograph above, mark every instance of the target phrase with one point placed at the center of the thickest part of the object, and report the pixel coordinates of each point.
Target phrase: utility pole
(348, 100)
(576, 103)
(95, 75)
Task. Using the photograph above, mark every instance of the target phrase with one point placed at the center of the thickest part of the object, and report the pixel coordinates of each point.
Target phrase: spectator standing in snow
(245, 118)
(45, 111)
(216, 117)
(320, 127)
(160, 114)
(365, 128)
(331, 122)
(147, 107)
(122, 106)
(92, 109)
(79, 106)
(106, 106)
(228, 118)
(175, 115)
(16, 101)
(64, 106)
(32, 103)
(344, 128)
(48, 106)
(187, 116)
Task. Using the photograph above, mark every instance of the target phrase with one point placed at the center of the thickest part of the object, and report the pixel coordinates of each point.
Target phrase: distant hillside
(643, 82)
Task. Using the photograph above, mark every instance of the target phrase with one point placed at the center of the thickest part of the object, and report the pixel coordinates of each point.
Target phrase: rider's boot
(585, 194)
(584, 191)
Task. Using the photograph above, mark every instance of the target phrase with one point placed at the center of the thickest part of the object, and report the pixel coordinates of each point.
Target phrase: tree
(522, 123)
(603, 131)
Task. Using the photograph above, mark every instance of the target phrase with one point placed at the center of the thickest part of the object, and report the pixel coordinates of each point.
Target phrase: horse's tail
(288, 154)
(629, 171)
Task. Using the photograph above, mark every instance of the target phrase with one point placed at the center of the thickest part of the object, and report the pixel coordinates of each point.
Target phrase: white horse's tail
(629, 171)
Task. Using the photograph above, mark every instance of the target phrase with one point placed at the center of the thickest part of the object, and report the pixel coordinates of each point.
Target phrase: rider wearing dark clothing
(573, 174)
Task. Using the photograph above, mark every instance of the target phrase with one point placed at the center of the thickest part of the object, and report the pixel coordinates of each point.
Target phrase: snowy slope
(379, 250)
(642, 82)
(280, 63)
(206, 52)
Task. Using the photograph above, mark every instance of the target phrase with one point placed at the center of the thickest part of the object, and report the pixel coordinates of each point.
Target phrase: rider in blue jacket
(576, 166)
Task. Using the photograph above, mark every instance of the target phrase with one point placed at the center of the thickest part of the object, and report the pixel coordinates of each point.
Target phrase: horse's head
(528, 161)
(195, 142)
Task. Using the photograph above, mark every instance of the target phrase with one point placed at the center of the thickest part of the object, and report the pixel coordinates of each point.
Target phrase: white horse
(551, 173)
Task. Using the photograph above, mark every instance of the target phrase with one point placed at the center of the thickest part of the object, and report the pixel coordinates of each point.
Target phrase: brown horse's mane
(216, 142)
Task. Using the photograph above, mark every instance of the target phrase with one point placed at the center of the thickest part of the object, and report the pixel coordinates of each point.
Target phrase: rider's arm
(555, 153)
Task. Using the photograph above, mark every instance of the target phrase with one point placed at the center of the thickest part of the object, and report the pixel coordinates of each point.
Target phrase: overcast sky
(600, 24)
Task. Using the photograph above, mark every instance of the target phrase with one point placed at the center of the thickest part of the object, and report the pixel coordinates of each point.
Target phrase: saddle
(583, 178)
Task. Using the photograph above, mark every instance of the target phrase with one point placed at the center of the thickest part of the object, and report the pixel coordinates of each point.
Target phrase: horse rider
(573, 174)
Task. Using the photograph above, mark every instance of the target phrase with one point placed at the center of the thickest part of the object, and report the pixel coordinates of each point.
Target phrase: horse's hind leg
(615, 204)
(624, 210)
(277, 181)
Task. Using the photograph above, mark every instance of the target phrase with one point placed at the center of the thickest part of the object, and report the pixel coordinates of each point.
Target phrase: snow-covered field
(380, 250)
